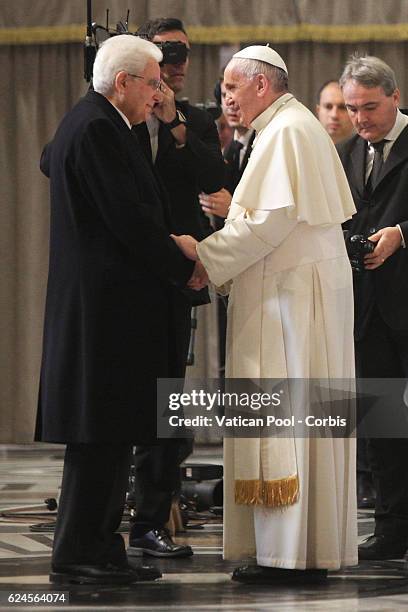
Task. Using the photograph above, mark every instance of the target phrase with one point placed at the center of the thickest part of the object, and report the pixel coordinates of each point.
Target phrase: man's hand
(166, 109)
(187, 244)
(388, 241)
(199, 278)
(217, 203)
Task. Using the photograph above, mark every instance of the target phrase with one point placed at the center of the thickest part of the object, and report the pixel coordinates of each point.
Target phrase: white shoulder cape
(294, 165)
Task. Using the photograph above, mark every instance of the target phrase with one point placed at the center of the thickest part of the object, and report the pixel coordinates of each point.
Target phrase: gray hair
(369, 71)
(250, 68)
(123, 52)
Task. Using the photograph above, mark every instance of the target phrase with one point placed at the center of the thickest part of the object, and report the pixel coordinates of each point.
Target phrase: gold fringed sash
(271, 493)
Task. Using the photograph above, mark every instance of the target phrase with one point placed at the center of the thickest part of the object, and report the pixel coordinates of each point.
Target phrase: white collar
(265, 117)
(125, 119)
(401, 121)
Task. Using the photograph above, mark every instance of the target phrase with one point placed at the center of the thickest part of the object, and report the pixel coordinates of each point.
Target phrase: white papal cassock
(281, 253)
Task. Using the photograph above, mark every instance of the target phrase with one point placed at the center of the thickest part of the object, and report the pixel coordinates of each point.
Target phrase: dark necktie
(377, 165)
(233, 159)
(237, 155)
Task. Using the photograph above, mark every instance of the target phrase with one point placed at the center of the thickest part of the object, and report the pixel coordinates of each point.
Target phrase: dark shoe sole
(62, 578)
(133, 551)
(388, 557)
(271, 576)
(269, 580)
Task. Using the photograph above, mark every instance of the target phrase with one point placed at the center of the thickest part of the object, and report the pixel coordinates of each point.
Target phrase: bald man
(332, 113)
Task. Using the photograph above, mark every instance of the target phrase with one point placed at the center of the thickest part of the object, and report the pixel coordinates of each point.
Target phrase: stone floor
(30, 474)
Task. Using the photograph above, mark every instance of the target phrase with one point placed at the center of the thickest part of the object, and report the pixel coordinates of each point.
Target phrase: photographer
(376, 164)
(182, 143)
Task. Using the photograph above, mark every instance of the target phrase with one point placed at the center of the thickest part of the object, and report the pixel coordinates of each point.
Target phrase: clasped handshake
(187, 244)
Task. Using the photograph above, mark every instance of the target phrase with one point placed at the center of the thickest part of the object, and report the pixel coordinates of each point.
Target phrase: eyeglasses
(155, 84)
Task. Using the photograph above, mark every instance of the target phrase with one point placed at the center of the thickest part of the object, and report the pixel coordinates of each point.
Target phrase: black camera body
(357, 247)
(174, 52)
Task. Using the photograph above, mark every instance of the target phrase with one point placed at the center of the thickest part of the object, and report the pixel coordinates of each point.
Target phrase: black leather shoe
(93, 574)
(157, 543)
(380, 548)
(365, 491)
(257, 574)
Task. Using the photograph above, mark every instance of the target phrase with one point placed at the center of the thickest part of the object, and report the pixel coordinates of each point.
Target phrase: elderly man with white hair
(113, 280)
(291, 501)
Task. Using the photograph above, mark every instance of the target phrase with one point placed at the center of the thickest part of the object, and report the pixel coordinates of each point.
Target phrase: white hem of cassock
(301, 565)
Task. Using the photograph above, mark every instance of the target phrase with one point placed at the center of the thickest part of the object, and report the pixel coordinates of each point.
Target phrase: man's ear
(121, 81)
(263, 86)
(396, 95)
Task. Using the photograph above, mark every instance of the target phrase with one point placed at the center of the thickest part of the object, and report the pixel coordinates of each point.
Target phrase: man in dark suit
(217, 204)
(181, 143)
(376, 164)
(236, 157)
(114, 278)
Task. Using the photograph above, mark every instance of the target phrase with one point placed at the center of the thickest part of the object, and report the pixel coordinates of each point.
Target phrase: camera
(357, 247)
(174, 52)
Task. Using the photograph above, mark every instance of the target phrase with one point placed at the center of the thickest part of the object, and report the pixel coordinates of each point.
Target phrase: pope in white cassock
(281, 256)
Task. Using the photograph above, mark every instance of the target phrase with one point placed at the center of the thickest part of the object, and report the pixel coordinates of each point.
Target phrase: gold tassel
(271, 493)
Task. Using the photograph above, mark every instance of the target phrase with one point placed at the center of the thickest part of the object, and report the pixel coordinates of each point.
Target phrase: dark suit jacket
(232, 175)
(387, 286)
(113, 275)
(232, 178)
(186, 171)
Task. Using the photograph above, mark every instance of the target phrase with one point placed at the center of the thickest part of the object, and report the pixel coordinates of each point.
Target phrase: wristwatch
(179, 119)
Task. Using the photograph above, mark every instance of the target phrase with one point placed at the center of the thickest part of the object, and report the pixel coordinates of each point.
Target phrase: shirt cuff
(404, 246)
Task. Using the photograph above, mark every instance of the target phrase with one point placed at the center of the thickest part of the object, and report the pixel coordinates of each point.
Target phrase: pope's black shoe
(381, 547)
(93, 574)
(257, 574)
(157, 543)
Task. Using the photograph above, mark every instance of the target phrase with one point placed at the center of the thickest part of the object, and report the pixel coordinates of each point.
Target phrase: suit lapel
(358, 165)
(398, 153)
(96, 98)
(247, 154)
(165, 142)
(143, 137)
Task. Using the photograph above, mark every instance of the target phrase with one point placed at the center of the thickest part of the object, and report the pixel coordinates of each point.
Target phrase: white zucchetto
(262, 53)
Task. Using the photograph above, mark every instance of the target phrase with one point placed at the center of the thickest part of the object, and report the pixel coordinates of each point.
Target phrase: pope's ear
(263, 85)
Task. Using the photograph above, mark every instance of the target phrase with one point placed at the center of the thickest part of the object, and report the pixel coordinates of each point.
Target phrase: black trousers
(157, 466)
(157, 478)
(93, 493)
(383, 353)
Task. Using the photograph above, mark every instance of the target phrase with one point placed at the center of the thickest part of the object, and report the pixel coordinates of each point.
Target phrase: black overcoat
(114, 279)
(387, 286)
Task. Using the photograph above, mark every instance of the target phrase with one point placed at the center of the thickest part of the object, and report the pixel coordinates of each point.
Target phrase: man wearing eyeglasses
(113, 279)
(182, 144)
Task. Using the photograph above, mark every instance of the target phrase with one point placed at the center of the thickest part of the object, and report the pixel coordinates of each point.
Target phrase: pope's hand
(199, 278)
(187, 244)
